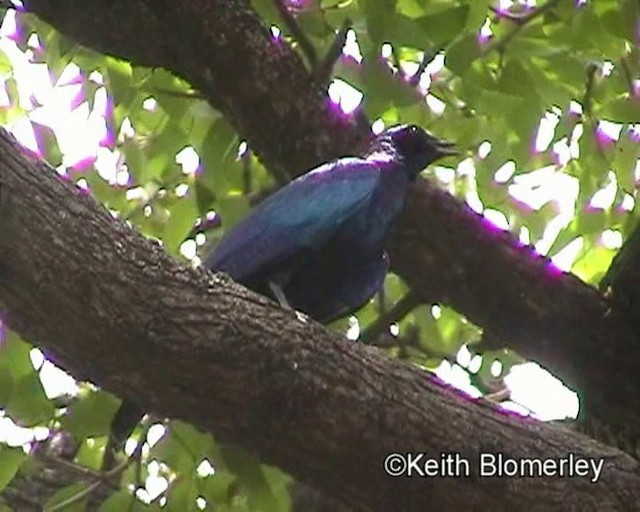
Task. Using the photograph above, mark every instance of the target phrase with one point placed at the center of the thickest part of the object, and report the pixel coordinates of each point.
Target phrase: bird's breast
(372, 224)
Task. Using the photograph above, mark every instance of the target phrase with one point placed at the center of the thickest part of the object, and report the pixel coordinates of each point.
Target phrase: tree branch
(444, 250)
(111, 306)
(298, 34)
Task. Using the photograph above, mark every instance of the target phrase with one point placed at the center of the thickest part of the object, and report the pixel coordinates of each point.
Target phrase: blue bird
(317, 245)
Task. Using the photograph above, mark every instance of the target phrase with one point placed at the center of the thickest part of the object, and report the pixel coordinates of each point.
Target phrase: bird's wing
(301, 216)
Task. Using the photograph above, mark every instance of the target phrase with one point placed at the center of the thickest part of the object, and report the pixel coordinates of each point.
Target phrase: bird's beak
(446, 148)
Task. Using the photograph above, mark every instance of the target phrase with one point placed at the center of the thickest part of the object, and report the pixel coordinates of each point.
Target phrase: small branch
(516, 17)
(80, 495)
(188, 95)
(626, 70)
(322, 72)
(588, 90)
(162, 186)
(102, 478)
(247, 182)
(399, 310)
(426, 58)
(396, 61)
(521, 21)
(291, 23)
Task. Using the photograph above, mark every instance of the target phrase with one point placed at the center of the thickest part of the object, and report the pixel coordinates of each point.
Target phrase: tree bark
(442, 249)
(110, 306)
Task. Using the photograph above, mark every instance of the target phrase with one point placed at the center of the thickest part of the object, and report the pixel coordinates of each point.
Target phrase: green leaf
(90, 415)
(183, 447)
(443, 26)
(29, 404)
(14, 356)
(589, 34)
(233, 208)
(5, 64)
(623, 109)
(182, 495)
(621, 19)
(461, 54)
(267, 11)
(590, 221)
(380, 16)
(251, 476)
(6, 386)
(91, 452)
(478, 13)
(182, 217)
(122, 500)
(47, 143)
(218, 152)
(626, 154)
(136, 160)
(591, 266)
(10, 461)
(13, 113)
(405, 31)
(526, 47)
(410, 8)
(594, 165)
(430, 335)
(219, 489)
(383, 89)
(500, 104)
(313, 23)
(118, 78)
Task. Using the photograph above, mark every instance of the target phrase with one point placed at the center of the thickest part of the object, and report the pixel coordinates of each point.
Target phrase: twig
(624, 63)
(247, 182)
(396, 61)
(90, 488)
(587, 109)
(381, 300)
(426, 58)
(588, 89)
(522, 21)
(290, 22)
(399, 310)
(516, 17)
(188, 95)
(322, 72)
(102, 478)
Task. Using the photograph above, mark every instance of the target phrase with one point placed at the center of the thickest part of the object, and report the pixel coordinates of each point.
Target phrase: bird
(317, 244)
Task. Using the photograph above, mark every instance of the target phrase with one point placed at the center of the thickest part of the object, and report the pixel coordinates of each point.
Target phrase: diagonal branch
(443, 250)
(111, 306)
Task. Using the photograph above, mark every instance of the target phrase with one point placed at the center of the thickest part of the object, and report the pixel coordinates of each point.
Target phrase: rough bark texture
(442, 249)
(112, 307)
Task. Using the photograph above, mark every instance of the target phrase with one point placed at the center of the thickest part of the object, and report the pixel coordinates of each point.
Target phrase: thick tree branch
(111, 306)
(442, 249)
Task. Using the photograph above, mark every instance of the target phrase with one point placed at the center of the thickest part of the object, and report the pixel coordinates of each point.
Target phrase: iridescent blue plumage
(319, 241)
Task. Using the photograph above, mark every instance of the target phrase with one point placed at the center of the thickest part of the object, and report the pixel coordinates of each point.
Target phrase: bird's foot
(278, 293)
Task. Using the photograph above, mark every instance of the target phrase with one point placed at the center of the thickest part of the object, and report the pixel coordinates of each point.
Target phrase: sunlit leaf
(10, 461)
(90, 415)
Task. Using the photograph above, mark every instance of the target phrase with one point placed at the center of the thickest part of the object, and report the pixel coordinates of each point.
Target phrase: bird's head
(416, 147)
